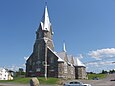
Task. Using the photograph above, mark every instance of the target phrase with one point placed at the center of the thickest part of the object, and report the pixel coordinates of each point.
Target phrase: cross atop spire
(46, 3)
(45, 19)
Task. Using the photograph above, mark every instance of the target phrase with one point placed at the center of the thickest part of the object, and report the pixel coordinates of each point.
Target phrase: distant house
(5, 74)
(45, 61)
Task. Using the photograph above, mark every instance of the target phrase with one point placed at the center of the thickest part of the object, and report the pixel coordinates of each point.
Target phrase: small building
(5, 74)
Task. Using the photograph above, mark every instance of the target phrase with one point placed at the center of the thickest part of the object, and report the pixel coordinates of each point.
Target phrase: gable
(55, 55)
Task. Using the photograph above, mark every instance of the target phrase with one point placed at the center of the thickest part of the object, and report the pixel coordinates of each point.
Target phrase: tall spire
(45, 20)
(64, 47)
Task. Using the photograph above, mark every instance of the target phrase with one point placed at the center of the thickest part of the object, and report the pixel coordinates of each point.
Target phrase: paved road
(7, 84)
(13, 84)
(103, 82)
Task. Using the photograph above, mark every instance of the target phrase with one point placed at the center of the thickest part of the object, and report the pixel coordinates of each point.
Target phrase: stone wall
(80, 72)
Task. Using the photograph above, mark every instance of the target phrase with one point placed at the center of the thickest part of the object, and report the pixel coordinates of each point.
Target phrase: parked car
(86, 85)
(95, 78)
(112, 80)
(75, 83)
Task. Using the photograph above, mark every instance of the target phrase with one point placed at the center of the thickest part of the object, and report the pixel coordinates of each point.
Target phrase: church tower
(44, 32)
(36, 61)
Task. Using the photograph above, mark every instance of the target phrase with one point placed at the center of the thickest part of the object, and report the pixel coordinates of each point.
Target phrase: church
(46, 62)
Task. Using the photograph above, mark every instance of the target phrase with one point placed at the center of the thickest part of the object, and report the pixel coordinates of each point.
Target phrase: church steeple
(45, 22)
(44, 32)
(64, 47)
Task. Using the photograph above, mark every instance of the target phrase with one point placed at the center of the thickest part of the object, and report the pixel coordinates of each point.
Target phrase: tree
(104, 72)
(20, 73)
(112, 71)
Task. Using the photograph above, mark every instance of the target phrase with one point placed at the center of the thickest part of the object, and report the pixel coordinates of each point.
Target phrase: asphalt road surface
(102, 82)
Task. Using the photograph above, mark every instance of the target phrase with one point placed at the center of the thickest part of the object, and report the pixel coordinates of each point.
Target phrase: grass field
(100, 76)
(49, 80)
(27, 80)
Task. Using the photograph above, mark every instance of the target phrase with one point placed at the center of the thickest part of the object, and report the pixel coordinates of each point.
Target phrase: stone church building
(44, 61)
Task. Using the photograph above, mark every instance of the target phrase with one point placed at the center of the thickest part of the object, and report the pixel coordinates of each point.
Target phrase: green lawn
(26, 80)
(100, 76)
(49, 80)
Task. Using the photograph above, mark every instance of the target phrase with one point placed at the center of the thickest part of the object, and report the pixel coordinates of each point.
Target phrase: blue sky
(86, 26)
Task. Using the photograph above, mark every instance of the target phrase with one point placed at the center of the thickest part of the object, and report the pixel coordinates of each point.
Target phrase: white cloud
(102, 53)
(106, 63)
(14, 67)
(97, 67)
(93, 64)
(100, 64)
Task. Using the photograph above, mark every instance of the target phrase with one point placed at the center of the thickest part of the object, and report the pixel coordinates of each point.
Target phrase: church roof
(61, 55)
(45, 22)
(70, 59)
(77, 62)
(59, 59)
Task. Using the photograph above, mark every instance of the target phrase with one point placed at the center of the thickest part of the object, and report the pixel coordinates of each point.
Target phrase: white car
(75, 83)
(86, 85)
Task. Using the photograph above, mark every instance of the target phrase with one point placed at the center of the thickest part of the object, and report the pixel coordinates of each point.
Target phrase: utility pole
(45, 59)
